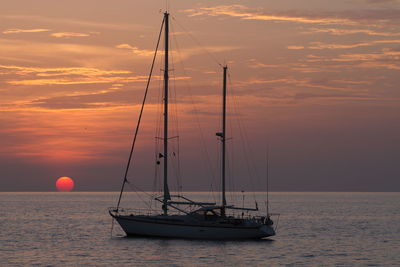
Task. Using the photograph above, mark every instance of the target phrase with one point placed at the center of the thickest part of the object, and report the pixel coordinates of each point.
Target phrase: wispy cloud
(95, 101)
(74, 22)
(382, 2)
(13, 31)
(36, 53)
(295, 47)
(68, 76)
(69, 34)
(346, 17)
(319, 45)
(71, 76)
(136, 50)
(343, 31)
(385, 59)
(182, 53)
(246, 13)
(289, 88)
(254, 63)
(359, 57)
(80, 80)
(62, 71)
(55, 34)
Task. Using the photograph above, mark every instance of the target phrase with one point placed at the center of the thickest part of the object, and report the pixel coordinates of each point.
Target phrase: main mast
(165, 154)
(223, 140)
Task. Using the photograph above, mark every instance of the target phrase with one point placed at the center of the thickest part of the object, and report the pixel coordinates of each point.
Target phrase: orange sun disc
(64, 184)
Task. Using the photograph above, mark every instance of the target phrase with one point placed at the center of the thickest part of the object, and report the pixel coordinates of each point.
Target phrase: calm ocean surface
(72, 229)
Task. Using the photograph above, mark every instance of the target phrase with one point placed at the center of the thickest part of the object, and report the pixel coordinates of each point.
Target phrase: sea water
(73, 229)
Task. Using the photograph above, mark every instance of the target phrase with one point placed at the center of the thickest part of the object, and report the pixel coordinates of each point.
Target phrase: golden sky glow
(72, 76)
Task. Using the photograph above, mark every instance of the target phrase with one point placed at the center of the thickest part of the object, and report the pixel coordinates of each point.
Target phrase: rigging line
(231, 151)
(267, 180)
(199, 43)
(243, 138)
(196, 112)
(140, 117)
(112, 227)
(137, 190)
(172, 116)
(176, 110)
(156, 170)
(157, 147)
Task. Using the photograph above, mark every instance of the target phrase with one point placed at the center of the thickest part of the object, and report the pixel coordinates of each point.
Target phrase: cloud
(320, 45)
(55, 34)
(80, 80)
(181, 54)
(382, 2)
(301, 96)
(337, 31)
(75, 22)
(346, 17)
(243, 12)
(12, 31)
(34, 53)
(62, 71)
(385, 59)
(136, 50)
(69, 34)
(295, 47)
(254, 63)
(67, 75)
(89, 101)
(83, 71)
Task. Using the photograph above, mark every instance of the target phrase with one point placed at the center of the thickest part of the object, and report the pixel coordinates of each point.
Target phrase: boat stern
(267, 230)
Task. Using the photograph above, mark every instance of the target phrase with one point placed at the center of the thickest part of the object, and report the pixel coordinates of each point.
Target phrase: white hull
(142, 226)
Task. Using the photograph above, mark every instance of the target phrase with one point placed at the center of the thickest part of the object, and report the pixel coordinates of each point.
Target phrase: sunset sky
(316, 81)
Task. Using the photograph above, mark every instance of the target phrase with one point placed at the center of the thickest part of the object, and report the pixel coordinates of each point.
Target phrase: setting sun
(64, 184)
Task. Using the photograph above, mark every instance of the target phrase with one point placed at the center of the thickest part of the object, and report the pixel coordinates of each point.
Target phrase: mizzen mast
(223, 140)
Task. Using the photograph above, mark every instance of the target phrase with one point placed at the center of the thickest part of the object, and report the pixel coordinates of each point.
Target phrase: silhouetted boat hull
(179, 227)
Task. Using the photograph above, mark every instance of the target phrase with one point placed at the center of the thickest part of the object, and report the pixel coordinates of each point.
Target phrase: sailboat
(208, 220)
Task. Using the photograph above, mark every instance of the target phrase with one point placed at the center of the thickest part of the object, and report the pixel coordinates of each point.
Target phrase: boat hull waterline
(159, 227)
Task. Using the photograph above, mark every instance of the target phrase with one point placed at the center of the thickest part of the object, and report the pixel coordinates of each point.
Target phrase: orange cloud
(295, 47)
(34, 53)
(72, 75)
(385, 59)
(12, 31)
(74, 22)
(69, 34)
(254, 63)
(341, 31)
(75, 75)
(320, 45)
(71, 81)
(246, 13)
(136, 50)
(62, 71)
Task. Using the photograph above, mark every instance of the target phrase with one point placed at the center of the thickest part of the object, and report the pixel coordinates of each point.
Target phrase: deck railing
(147, 212)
